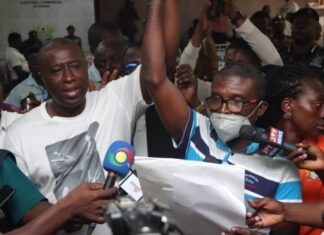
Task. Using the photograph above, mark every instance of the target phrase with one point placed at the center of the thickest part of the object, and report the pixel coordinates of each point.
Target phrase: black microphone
(256, 135)
(118, 161)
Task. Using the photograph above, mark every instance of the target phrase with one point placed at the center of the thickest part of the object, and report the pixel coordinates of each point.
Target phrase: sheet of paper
(204, 198)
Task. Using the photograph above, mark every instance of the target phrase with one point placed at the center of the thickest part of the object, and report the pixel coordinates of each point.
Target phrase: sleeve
(11, 143)
(259, 43)
(190, 55)
(13, 60)
(26, 196)
(185, 140)
(13, 98)
(127, 91)
(289, 189)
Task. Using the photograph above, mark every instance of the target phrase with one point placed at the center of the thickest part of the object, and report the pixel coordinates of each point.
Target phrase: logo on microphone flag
(276, 136)
(119, 157)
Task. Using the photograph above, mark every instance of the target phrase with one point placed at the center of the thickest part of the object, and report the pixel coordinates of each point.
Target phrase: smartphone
(6, 192)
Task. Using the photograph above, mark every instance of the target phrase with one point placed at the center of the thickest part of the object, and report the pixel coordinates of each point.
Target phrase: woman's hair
(282, 82)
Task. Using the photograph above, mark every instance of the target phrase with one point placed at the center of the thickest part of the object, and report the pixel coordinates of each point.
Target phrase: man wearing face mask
(236, 99)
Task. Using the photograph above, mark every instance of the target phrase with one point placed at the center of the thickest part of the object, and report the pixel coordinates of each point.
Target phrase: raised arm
(171, 32)
(169, 102)
(259, 42)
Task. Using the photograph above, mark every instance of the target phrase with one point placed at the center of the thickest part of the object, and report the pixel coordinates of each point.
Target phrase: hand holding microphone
(118, 161)
(275, 139)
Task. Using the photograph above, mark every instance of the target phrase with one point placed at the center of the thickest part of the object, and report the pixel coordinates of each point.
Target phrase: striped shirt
(277, 178)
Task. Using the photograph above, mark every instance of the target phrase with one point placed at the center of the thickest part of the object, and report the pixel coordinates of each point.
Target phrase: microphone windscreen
(119, 158)
(247, 132)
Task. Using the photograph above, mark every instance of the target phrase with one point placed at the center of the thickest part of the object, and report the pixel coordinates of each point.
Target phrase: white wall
(23, 15)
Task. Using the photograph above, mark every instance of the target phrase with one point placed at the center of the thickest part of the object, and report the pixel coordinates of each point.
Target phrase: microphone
(275, 139)
(118, 161)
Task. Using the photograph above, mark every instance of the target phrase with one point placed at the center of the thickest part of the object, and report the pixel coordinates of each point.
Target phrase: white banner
(48, 17)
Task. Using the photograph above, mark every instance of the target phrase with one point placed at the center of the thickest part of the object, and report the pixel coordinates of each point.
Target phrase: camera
(215, 9)
(126, 217)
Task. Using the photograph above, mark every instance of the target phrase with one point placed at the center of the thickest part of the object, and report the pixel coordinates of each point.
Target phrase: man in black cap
(303, 49)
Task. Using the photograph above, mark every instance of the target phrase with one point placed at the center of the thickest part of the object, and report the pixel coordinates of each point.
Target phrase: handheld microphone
(118, 161)
(259, 136)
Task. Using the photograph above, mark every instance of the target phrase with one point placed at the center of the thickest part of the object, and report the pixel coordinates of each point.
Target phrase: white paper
(132, 186)
(203, 198)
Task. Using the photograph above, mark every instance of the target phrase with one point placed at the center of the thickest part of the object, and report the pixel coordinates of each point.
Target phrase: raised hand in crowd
(187, 84)
(109, 76)
(303, 162)
(301, 159)
(203, 27)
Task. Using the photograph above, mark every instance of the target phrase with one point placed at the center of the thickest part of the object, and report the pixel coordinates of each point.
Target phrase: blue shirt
(264, 176)
(94, 75)
(23, 89)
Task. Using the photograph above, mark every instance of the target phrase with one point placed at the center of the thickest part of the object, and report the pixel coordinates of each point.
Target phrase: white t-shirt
(14, 58)
(6, 119)
(59, 153)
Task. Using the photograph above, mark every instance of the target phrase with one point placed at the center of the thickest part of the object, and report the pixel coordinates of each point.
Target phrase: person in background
(108, 59)
(267, 9)
(289, 7)
(132, 59)
(32, 87)
(98, 32)
(129, 22)
(71, 31)
(262, 21)
(32, 42)
(279, 39)
(15, 61)
(303, 49)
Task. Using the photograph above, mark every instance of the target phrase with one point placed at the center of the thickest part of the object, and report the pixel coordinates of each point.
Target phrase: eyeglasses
(214, 103)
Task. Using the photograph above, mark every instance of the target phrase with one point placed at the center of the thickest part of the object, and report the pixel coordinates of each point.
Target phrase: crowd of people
(61, 113)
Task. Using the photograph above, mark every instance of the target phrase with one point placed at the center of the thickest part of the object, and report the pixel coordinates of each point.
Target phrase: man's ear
(262, 108)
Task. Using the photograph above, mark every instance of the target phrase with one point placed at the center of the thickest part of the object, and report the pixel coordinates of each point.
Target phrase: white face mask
(227, 126)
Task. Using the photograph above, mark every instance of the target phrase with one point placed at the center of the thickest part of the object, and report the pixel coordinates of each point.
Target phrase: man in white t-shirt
(15, 61)
(64, 141)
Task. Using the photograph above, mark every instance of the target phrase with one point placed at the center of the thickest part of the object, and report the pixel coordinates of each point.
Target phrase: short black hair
(13, 38)
(246, 71)
(97, 31)
(283, 82)
(70, 27)
(260, 15)
(306, 11)
(32, 50)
